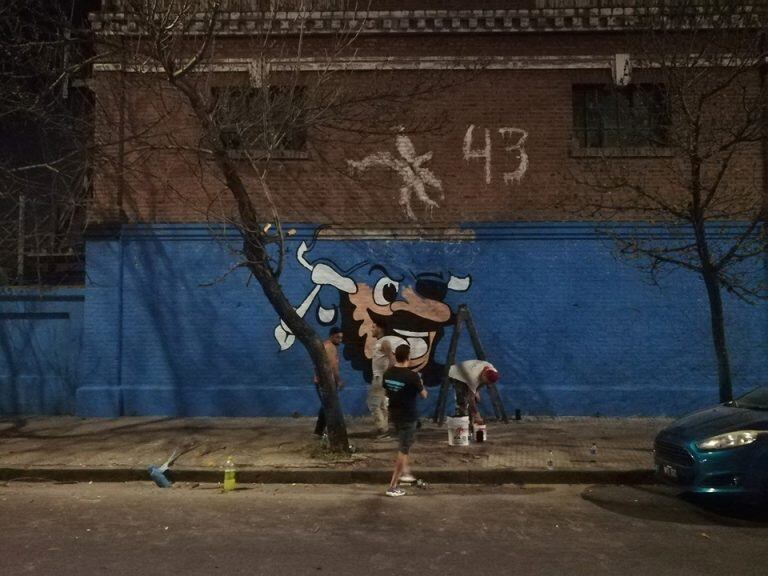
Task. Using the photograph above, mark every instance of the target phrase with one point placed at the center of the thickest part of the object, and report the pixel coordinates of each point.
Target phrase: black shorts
(406, 435)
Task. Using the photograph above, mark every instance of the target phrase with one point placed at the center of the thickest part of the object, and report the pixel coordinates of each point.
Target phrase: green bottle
(229, 475)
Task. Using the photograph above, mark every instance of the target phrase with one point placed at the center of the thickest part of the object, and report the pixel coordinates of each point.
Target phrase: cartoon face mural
(410, 305)
(412, 308)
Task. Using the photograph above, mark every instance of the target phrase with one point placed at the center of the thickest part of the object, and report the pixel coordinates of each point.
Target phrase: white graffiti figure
(514, 139)
(322, 275)
(410, 168)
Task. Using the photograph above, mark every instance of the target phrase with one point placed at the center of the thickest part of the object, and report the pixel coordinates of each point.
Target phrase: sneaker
(394, 492)
(408, 478)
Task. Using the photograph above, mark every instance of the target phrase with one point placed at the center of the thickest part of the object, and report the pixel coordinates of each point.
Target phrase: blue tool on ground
(157, 473)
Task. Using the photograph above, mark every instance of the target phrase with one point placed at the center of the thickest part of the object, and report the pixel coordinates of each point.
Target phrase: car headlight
(729, 440)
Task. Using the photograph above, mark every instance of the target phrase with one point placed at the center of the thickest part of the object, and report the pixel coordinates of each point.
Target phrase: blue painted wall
(40, 343)
(571, 330)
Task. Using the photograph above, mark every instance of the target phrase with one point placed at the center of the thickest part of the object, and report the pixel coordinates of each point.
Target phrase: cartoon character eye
(385, 291)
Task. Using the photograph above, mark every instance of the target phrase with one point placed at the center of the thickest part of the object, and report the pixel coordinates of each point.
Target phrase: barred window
(635, 116)
(268, 120)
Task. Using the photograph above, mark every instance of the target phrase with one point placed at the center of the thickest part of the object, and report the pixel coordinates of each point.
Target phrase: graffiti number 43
(513, 140)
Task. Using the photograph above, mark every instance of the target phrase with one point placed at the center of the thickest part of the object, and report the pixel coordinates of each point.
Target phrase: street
(136, 528)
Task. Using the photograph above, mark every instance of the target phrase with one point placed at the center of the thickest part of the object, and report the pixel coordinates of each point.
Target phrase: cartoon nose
(427, 308)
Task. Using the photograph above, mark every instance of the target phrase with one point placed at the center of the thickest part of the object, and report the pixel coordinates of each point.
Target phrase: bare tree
(291, 95)
(679, 147)
(45, 123)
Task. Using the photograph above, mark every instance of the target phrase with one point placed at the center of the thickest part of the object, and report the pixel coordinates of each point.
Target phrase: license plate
(669, 471)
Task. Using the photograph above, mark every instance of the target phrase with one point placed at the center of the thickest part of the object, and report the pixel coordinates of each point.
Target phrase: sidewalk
(283, 450)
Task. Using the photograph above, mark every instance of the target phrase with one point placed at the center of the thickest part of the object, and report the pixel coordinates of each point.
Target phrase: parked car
(721, 450)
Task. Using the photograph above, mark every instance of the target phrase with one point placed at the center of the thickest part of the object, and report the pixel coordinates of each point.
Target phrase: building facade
(454, 173)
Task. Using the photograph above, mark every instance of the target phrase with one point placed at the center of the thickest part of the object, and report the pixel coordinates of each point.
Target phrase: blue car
(722, 450)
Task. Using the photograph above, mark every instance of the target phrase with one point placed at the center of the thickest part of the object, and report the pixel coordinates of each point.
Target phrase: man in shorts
(383, 358)
(403, 387)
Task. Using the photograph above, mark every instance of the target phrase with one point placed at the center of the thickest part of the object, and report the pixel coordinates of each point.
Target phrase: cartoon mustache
(407, 321)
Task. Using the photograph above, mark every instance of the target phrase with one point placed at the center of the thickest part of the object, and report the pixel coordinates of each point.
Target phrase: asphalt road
(138, 529)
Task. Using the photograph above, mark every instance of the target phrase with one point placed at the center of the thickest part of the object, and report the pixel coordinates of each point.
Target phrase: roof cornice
(416, 21)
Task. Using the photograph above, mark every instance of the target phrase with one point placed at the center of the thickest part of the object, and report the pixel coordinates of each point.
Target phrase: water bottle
(551, 461)
(593, 449)
(229, 475)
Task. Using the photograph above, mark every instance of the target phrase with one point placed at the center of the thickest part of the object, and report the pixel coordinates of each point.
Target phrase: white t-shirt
(380, 361)
(469, 372)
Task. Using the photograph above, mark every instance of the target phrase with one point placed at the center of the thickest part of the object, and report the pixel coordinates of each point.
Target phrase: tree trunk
(711, 276)
(718, 334)
(334, 416)
(764, 144)
(258, 264)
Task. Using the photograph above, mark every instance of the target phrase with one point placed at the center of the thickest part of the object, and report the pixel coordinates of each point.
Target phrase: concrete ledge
(324, 476)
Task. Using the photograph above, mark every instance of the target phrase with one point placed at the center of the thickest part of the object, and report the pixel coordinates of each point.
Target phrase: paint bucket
(481, 434)
(458, 431)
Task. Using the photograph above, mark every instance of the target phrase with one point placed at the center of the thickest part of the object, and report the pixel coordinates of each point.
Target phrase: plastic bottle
(551, 461)
(593, 449)
(229, 475)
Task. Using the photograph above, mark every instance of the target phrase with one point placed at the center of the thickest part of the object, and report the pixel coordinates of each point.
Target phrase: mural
(409, 303)
(409, 166)
(514, 140)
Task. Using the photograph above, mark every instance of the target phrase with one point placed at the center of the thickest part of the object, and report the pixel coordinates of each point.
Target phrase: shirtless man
(330, 344)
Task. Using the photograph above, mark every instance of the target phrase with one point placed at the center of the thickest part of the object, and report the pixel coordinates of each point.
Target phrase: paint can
(480, 433)
(458, 430)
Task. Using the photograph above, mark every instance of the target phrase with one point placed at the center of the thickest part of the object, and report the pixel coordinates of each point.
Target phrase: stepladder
(464, 319)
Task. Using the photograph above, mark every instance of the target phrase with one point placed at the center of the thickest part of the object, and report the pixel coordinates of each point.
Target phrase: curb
(313, 476)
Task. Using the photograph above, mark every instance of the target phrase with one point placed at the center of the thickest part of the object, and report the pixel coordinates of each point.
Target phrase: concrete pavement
(284, 450)
(277, 529)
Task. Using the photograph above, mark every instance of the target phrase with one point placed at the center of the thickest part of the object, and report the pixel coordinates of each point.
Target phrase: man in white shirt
(467, 379)
(382, 358)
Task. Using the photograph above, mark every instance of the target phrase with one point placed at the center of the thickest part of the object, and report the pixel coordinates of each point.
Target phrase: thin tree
(246, 126)
(696, 105)
(45, 125)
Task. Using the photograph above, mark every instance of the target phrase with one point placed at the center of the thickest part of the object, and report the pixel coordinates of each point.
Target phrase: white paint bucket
(458, 431)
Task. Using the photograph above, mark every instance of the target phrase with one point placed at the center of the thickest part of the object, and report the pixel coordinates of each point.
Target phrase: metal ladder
(464, 317)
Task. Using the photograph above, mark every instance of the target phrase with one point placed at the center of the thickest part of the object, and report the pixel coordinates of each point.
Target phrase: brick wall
(534, 101)
(173, 327)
